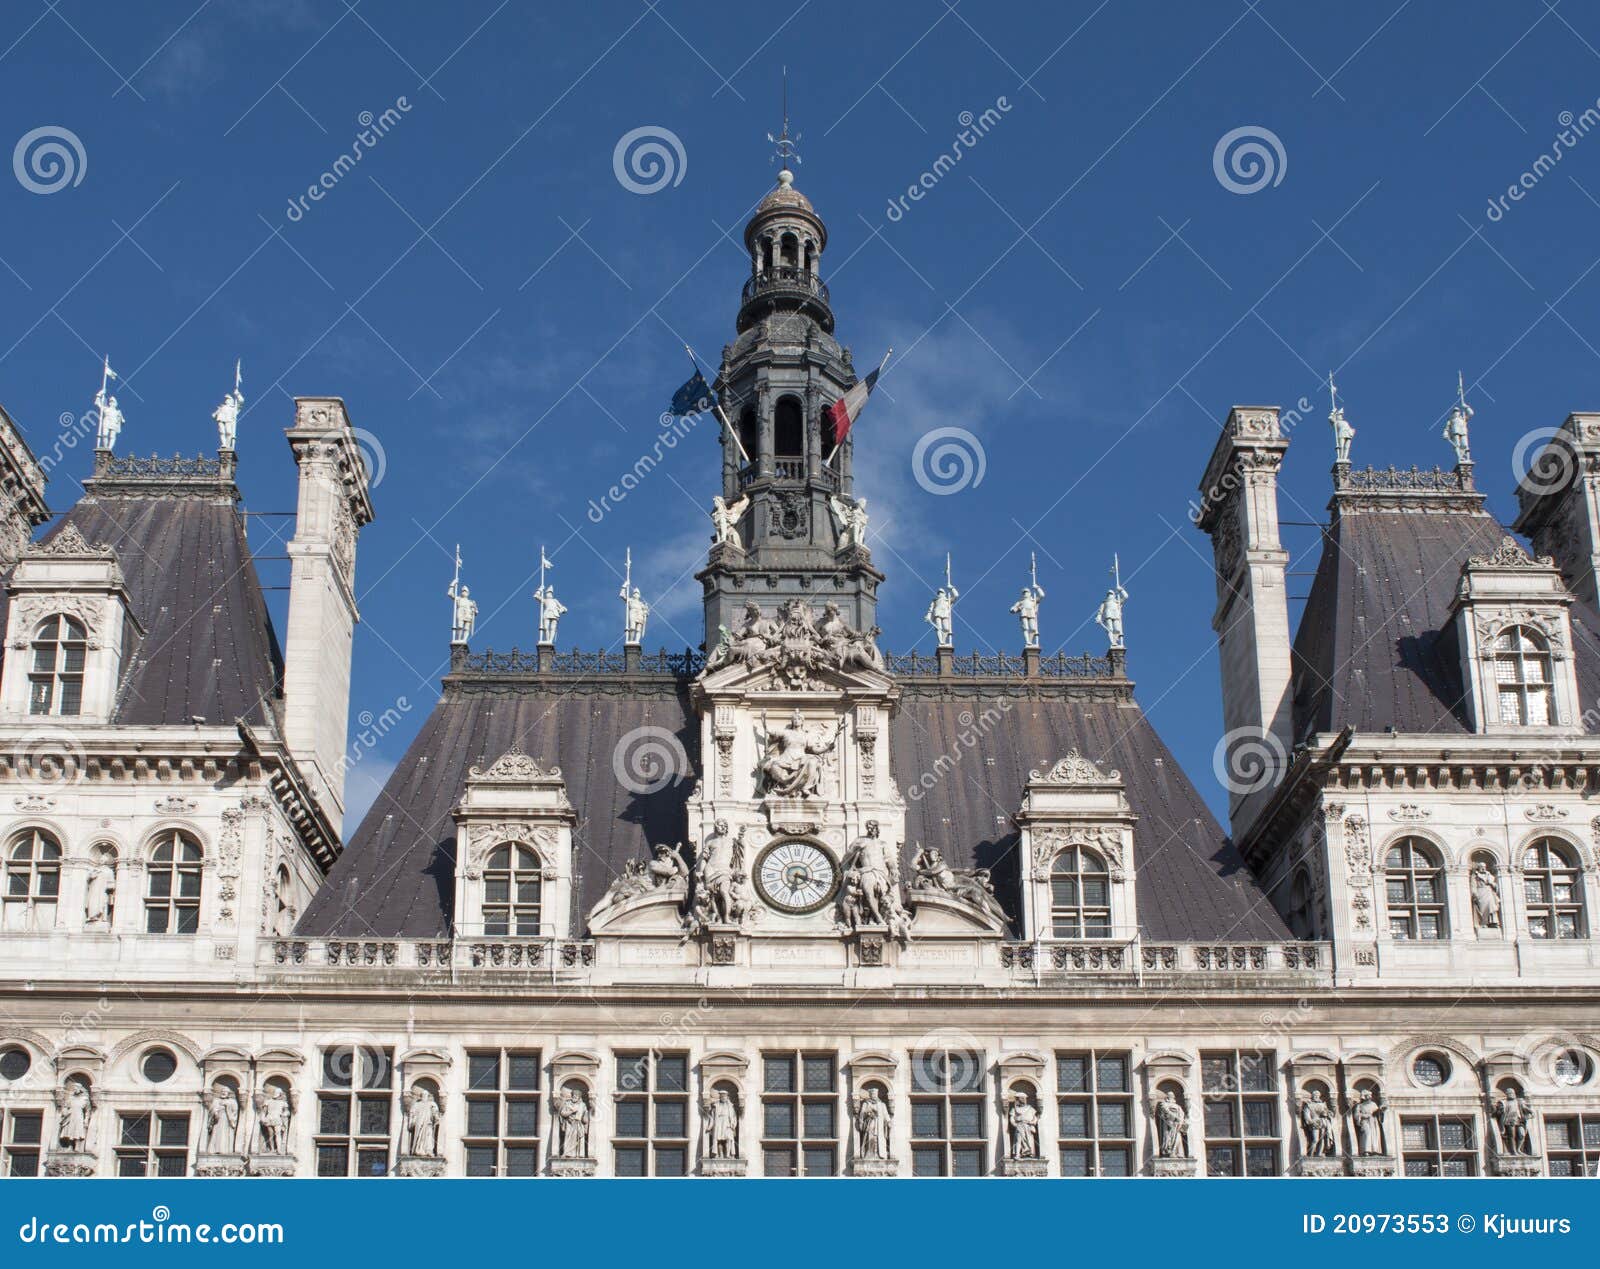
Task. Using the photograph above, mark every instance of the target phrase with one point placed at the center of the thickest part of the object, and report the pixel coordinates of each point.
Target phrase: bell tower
(777, 380)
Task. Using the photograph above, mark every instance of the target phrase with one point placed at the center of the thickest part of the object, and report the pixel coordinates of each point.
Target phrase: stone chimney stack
(22, 481)
(1558, 504)
(332, 509)
(1239, 508)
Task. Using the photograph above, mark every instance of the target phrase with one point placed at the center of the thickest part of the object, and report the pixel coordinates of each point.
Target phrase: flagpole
(717, 406)
(878, 371)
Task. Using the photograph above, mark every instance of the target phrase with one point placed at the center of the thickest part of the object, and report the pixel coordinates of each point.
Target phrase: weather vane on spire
(785, 152)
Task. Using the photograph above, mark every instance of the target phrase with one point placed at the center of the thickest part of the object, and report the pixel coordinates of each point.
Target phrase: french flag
(847, 409)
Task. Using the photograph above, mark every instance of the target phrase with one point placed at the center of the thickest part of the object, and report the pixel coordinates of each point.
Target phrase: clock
(796, 877)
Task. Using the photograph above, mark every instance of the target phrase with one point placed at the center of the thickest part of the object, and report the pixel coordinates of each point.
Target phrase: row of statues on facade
(1455, 426)
(109, 418)
(221, 1114)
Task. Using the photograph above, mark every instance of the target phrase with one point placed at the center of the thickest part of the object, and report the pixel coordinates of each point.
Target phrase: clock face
(796, 877)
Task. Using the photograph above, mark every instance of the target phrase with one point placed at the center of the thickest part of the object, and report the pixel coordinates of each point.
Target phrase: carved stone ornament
(795, 644)
(172, 804)
(32, 609)
(1409, 812)
(1074, 769)
(69, 542)
(33, 802)
(1106, 839)
(1357, 849)
(1509, 555)
(1545, 812)
(514, 766)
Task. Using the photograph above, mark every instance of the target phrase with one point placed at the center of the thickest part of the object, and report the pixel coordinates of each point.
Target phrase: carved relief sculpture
(668, 867)
(1317, 1125)
(572, 1123)
(273, 1113)
(969, 885)
(423, 1114)
(1022, 1120)
(872, 1117)
(1172, 1126)
(720, 1117)
(790, 767)
(719, 879)
(871, 891)
(75, 1109)
(219, 1122)
(1366, 1119)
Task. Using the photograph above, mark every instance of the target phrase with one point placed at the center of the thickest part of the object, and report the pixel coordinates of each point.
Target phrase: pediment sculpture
(795, 644)
(1074, 769)
(971, 886)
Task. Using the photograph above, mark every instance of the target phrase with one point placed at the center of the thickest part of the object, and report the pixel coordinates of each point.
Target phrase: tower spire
(785, 152)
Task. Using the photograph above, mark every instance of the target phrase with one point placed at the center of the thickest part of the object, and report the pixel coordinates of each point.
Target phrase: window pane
(1114, 1119)
(819, 1119)
(778, 1163)
(1072, 1074)
(819, 1074)
(1256, 1074)
(1219, 1120)
(630, 1120)
(374, 1116)
(967, 1161)
(779, 1075)
(136, 1130)
(779, 1119)
(524, 1071)
(174, 1130)
(482, 1118)
(819, 1161)
(1216, 1073)
(522, 1161)
(672, 1074)
(334, 1119)
(927, 1119)
(483, 1071)
(927, 1162)
(331, 1161)
(1075, 1161)
(372, 1162)
(1260, 1119)
(1261, 1161)
(966, 1119)
(672, 1162)
(1221, 1161)
(630, 1161)
(1115, 1161)
(522, 1119)
(670, 1119)
(1111, 1074)
(1074, 1119)
(480, 1161)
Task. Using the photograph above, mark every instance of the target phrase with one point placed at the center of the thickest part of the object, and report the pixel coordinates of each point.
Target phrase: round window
(158, 1066)
(1431, 1069)
(1570, 1067)
(14, 1064)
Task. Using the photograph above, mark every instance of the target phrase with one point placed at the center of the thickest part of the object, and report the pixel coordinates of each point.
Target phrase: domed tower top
(786, 239)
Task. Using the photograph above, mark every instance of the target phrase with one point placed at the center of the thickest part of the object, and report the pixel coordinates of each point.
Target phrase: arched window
(511, 881)
(33, 880)
(1080, 896)
(789, 245)
(750, 433)
(1522, 677)
(56, 681)
(1414, 889)
(789, 429)
(811, 255)
(1553, 885)
(172, 894)
(1301, 918)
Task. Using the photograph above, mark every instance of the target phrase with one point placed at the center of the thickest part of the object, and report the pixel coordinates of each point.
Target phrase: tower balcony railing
(789, 471)
(785, 279)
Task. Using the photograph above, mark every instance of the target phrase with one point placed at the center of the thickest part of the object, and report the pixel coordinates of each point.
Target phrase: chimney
(332, 509)
(1558, 503)
(1239, 509)
(22, 482)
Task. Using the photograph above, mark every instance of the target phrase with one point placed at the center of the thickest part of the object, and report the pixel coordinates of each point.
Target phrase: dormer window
(511, 892)
(1522, 678)
(1080, 895)
(55, 682)
(172, 894)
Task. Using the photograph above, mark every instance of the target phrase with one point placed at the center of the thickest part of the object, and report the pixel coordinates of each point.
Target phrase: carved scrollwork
(1074, 769)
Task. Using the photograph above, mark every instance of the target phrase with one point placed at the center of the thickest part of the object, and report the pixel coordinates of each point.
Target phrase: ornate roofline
(1405, 489)
(133, 476)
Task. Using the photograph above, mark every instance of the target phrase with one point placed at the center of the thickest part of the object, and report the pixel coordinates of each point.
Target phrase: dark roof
(208, 650)
(1375, 648)
(396, 877)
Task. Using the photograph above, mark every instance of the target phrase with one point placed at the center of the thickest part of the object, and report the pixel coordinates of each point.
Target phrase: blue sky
(1081, 292)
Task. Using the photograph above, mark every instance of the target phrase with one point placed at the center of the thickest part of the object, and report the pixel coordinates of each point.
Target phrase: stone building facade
(793, 906)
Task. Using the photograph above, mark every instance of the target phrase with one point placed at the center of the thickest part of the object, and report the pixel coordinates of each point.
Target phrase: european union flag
(694, 396)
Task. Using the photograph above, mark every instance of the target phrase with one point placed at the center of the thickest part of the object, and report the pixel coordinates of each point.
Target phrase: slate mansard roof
(1374, 649)
(396, 876)
(208, 651)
